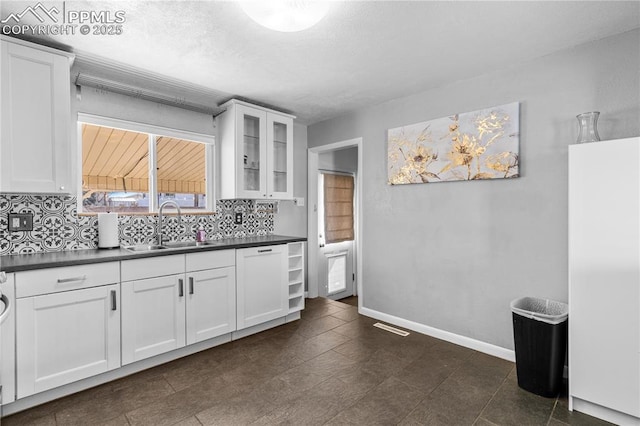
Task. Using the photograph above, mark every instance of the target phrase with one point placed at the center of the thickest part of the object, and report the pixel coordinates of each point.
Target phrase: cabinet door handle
(191, 290)
(265, 250)
(180, 287)
(114, 303)
(70, 280)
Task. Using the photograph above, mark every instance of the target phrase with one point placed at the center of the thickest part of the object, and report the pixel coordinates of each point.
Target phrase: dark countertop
(27, 262)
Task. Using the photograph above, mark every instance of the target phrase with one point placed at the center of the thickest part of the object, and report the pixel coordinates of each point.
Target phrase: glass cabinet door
(280, 158)
(251, 151)
(251, 133)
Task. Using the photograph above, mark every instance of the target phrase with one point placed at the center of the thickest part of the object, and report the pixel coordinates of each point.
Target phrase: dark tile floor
(351, 300)
(331, 367)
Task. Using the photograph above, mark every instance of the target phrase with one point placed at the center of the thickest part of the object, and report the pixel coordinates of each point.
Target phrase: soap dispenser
(201, 236)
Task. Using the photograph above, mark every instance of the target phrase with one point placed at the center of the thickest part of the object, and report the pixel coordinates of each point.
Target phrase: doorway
(336, 227)
(335, 266)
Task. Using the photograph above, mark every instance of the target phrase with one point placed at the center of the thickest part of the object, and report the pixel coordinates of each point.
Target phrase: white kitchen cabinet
(211, 295)
(153, 317)
(153, 306)
(262, 285)
(604, 279)
(256, 149)
(35, 151)
(66, 336)
(164, 308)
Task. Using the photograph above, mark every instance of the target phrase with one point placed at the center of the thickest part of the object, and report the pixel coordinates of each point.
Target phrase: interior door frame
(351, 255)
(312, 215)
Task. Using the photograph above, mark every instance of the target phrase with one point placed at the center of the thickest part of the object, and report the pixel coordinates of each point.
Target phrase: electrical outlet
(20, 222)
(238, 218)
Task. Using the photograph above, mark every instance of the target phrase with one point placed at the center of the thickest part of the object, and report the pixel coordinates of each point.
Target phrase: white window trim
(145, 128)
(151, 130)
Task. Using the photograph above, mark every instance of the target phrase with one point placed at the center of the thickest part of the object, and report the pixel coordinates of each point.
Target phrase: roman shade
(338, 208)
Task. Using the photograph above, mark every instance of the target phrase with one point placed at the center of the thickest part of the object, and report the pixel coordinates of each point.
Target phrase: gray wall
(342, 160)
(453, 255)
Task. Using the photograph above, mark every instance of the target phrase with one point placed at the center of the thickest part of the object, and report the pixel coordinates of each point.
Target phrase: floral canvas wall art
(475, 145)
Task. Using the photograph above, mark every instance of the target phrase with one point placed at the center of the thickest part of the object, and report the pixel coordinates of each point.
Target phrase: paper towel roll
(108, 230)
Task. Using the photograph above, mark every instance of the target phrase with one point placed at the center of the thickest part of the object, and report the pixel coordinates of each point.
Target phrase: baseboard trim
(457, 339)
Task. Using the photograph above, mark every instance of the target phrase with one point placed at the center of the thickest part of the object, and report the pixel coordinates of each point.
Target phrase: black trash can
(540, 335)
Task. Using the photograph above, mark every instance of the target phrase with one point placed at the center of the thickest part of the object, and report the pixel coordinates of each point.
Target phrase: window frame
(153, 133)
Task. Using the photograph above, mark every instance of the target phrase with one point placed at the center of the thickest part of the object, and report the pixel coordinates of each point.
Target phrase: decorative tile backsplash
(57, 226)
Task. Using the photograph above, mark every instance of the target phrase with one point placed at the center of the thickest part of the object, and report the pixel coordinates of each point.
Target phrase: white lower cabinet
(153, 306)
(211, 304)
(66, 336)
(262, 284)
(211, 295)
(163, 313)
(153, 320)
(75, 322)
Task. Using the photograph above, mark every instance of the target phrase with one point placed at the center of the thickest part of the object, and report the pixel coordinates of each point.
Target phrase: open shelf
(295, 262)
(296, 276)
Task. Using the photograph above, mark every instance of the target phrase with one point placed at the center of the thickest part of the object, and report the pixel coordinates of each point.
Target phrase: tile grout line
(427, 394)
(493, 396)
(488, 421)
(555, 404)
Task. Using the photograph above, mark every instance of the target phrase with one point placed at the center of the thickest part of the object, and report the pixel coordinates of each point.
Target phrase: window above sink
(131, 167)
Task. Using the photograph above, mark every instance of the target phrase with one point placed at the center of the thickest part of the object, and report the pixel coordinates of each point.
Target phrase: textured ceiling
(361, 53)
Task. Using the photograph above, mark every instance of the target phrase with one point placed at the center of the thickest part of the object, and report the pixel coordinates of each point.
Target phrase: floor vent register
(391, 329)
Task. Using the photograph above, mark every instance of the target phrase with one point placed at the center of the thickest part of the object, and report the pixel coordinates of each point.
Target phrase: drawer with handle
(54, 280)
(210, 260)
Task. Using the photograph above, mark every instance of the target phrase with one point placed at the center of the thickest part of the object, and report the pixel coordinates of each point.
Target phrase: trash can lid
(546, 310)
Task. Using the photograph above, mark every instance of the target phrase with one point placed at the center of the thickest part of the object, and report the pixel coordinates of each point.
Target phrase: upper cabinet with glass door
(256, 150)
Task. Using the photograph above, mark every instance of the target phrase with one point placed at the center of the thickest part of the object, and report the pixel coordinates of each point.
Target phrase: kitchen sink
(187, 244)
(182, 244)
(144, 247)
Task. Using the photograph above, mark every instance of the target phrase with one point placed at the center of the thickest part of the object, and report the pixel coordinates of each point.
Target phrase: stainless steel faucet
(160, 217)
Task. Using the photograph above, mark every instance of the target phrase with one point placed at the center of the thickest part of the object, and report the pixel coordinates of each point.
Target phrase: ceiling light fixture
(286, 15)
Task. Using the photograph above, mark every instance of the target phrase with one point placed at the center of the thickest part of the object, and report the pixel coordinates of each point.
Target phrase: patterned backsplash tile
(57, 226)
